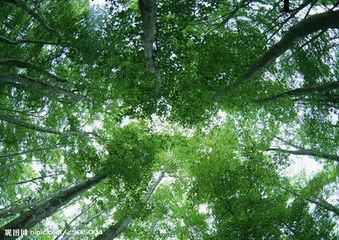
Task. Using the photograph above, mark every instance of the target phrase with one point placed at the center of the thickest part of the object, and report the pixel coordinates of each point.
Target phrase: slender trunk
(66, 237)
(28, 151)
(117, 228)
(73, 220)
(36, 84)
(18, 122)
(322, 21)
(21, 4)
(302, 91)
(31, 41)
(40, 212)
(27, 181)
(308, 152)
(22, 64)
(317, 201)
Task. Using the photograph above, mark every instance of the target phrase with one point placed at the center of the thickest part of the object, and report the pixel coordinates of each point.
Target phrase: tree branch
(18, 122)
(302, 91)
(32, 82)
(322, 21)
(22, 64)
(21, 4)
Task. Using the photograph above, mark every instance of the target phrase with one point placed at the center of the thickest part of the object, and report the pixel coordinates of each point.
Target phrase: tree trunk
(38, 213)
(322, 21)
(11, 155)
(27, 181)
(324, 205)
(308, 152)
(117, 228)
(148, 21)
(302, 91)
(36, 84)
(17, 122)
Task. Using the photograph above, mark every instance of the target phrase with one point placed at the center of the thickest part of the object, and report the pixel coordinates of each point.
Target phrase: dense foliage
(169, 119)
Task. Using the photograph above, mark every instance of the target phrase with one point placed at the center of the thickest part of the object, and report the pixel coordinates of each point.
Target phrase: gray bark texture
(148, 21)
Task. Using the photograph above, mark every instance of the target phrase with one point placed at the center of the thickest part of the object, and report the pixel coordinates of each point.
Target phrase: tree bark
(117, 228)
(40, 212)
(148, 21)
(322, 21)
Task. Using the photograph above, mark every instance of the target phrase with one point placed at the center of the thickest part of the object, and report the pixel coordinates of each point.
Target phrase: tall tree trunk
(48, 208)
(322, 21)
(117, 228)
(324, 205)
(148, 21)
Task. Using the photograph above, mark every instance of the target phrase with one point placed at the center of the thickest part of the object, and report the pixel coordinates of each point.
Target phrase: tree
(223, 95)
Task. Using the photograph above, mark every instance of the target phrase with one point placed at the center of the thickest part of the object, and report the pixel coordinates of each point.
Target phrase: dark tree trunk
(48, 208)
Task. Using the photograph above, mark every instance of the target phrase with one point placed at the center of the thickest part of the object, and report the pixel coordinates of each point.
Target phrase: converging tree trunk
(117, 228)
(322, 21)
(20, 123)
(38, 213)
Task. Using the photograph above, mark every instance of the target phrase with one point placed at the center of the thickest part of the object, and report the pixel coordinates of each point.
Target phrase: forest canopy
(149, 119)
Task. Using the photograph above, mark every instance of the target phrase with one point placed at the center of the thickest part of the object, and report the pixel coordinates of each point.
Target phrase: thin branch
(31, 41)
(32, 82)
(21, 4)
(28, 151)
(18, 122)
(22, 64)
(27, 181)
(308, 152)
